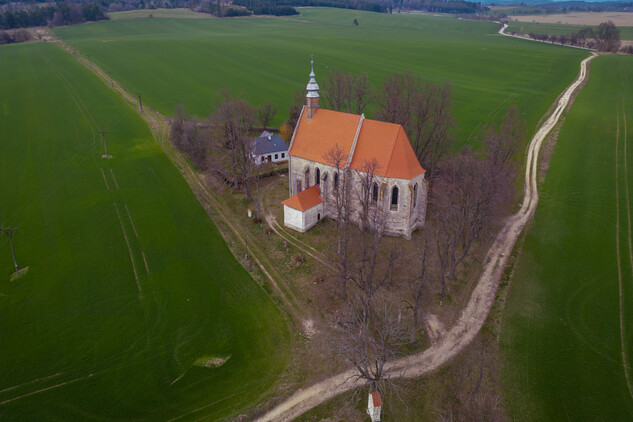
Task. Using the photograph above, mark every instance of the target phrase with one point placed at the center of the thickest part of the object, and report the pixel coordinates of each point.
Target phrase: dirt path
(502, 31)
(476, 311)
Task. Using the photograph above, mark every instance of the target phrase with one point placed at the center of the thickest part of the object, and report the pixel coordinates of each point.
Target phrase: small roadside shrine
(303, 210)
(374, 406)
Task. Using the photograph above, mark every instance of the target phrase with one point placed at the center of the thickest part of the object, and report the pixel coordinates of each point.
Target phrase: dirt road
(476, 311)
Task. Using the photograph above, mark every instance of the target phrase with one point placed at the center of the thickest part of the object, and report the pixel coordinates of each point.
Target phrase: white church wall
(293, 219)
(400, 222)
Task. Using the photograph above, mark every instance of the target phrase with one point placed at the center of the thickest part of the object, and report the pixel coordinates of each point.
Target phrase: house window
(263, 159)
(269, 158)
(276, 156)
(394, 198)
(283, 155)
(374, 193)
(335, 181)
(415, 195)
(317, 177)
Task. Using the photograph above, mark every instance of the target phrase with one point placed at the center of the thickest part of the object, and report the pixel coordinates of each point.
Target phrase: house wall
(400, 222)
(258, 157)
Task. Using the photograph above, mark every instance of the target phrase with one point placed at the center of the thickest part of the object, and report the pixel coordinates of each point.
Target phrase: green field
(131, 292)
(563, 350)
(178, 61)
(158, 14)
(626, 32)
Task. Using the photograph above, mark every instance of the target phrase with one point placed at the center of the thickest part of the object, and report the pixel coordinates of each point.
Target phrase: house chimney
(312, 97)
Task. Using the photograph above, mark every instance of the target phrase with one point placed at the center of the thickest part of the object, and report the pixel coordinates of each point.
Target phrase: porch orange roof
(387, 143)
(305, 199)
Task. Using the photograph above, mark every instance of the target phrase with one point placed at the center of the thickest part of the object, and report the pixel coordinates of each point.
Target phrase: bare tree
(298, 101)
(474, 386)
(232, 123)
(188, 136)
(417, 289)
(339, 204)
(266, 113)
(368, 341)
(361, 93)
(424, 109)
(608, 37)
(472, 192)
(347, 92)
(337, 91)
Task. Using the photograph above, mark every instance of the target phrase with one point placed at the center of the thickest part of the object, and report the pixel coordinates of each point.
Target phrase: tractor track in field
(476, 311)
(625, 363)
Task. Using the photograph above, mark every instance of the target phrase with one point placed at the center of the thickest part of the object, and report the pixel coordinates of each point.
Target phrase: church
(399, 189)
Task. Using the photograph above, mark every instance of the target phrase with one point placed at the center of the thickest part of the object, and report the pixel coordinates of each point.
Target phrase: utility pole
(105, 145)
(9, 231)
(140, 102)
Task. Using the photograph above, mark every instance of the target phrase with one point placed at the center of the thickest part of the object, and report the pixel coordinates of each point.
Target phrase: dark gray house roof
(268, 143)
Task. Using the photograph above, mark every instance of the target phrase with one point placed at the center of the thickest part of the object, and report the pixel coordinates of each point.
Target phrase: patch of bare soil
(587, 18)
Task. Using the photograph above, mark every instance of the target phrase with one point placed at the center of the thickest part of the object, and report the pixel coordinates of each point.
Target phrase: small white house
(374, 406)
(269, 148)
(303, 210)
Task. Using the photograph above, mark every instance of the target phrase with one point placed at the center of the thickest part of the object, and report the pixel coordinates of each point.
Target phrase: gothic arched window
(374, 193)
(394, 198)
(317, 177)
(307, 178)
(336, 181)
(415, 195)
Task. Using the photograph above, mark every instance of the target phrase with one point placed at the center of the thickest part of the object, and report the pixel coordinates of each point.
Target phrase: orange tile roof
(305, 199)
(316, 136)
(386, 142)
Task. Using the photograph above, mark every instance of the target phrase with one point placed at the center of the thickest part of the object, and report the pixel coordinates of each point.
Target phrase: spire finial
(313, 91)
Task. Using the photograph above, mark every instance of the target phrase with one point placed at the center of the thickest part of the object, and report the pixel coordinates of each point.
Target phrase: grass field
(569, 315)
(186, 62)
(158, 14)
(132, 297)
(626, 32)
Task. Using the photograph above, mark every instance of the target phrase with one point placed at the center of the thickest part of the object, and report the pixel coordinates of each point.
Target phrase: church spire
(312, 97)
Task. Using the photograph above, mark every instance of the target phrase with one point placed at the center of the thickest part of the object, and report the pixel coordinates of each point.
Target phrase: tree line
(605, 37)
(62, 13)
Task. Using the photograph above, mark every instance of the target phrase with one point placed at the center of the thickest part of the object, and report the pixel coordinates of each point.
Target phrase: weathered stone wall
(400, 221)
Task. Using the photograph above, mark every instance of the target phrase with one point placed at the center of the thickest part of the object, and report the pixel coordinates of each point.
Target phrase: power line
(105, 145)
(9, 231)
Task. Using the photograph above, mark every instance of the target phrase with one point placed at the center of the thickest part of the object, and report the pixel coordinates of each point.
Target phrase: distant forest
(47, 13)
(20, 15)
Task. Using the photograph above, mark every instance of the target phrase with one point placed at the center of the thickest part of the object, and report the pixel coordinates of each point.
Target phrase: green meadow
(133, 307)
(568, 320)
(186, 61)
(626, 32)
